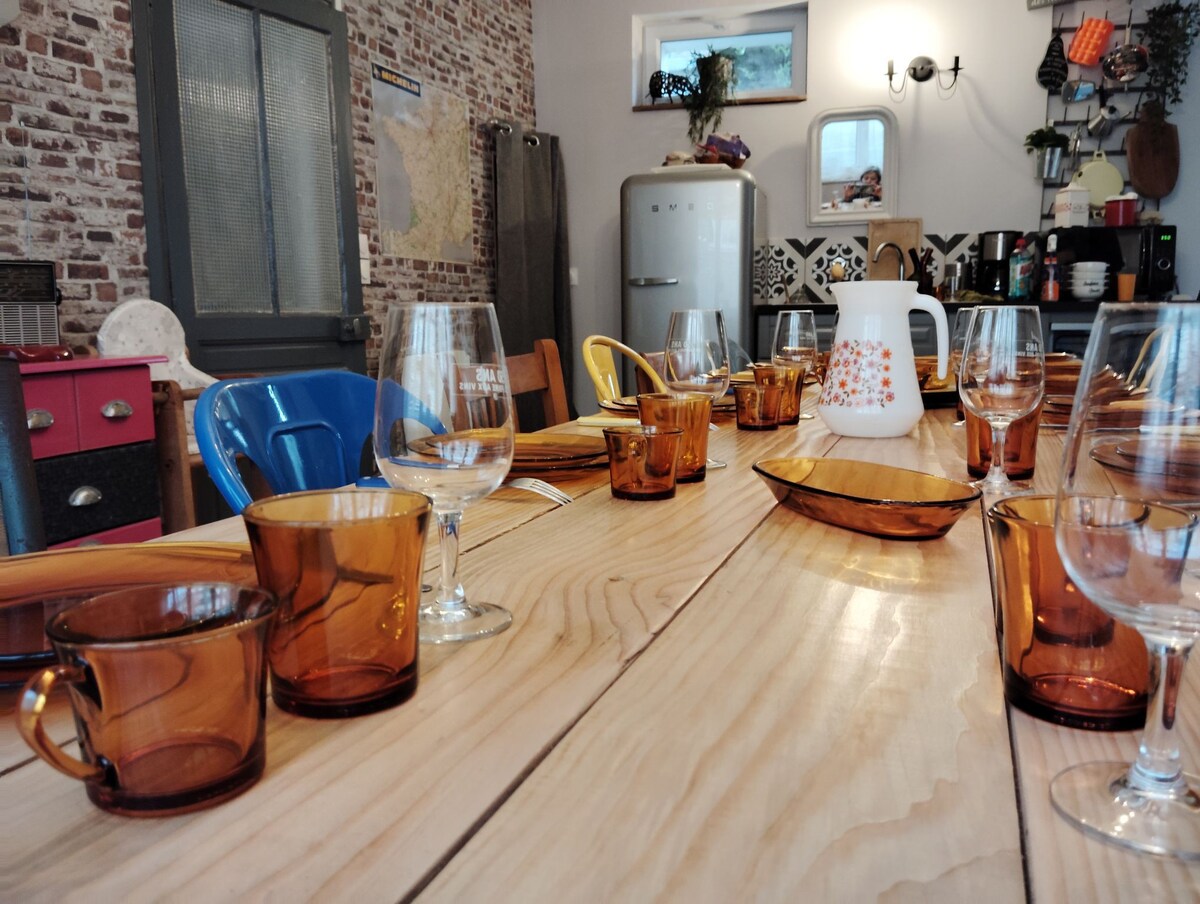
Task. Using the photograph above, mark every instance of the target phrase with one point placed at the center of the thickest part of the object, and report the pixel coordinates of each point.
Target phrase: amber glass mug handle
(29, 722)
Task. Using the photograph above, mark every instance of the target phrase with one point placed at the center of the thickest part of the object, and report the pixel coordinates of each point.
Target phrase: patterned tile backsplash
(799, 271)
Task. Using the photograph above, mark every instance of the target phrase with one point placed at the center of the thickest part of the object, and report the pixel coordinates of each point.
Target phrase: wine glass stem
(1158, 768)
(450, 595)
(996, 474)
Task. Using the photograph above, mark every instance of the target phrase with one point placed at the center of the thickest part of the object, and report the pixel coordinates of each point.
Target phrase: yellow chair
(602, 367)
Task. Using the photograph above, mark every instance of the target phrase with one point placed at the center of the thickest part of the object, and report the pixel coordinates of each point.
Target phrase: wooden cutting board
(905, 233)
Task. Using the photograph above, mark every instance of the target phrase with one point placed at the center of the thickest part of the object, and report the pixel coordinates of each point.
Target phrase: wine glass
(696, 357)
(958, 339)
(1125, 527)
(795, 342)
(444, 428)
(1001, 377)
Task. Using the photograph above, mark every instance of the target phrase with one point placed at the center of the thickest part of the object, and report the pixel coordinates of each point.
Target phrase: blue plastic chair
(304, 431)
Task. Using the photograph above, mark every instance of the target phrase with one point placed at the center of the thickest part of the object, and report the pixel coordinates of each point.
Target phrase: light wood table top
(708, 698)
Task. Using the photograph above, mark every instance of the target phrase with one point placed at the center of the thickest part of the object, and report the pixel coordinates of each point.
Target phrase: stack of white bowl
(1089, 279)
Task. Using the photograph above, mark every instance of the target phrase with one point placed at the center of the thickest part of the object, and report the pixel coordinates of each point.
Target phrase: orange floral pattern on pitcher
(859, 375)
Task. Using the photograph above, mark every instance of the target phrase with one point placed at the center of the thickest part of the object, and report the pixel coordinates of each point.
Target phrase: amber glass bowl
(870, 498)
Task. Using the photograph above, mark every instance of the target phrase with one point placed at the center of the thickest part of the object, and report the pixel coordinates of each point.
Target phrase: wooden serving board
(905, 233)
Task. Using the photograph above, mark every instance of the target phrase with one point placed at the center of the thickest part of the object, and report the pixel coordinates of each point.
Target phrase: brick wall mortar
(69, 141)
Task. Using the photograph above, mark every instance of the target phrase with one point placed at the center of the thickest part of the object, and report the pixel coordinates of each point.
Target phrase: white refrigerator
(687, 241)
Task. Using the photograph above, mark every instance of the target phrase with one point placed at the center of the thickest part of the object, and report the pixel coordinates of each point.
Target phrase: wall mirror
(853, 166)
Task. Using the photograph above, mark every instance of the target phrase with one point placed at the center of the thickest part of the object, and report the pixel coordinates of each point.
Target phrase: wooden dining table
(707, 698)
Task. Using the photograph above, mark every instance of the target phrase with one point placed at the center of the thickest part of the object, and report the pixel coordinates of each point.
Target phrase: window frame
(650, 31)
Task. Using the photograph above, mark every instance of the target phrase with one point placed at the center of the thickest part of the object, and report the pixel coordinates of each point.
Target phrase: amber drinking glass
(691, 412)
(641, 461)
(758, 406)
(1020, 445)
(1065, 659)
(168, 685)
(1002, 376)
(1125, 526)
(346, 566)
(795, 344)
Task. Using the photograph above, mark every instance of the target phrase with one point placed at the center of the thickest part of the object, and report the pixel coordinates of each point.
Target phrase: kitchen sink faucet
(883, 246)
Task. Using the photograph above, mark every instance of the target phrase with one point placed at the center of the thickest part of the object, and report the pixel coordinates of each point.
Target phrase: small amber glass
(346, 566)
(758, 406)
(791, 383)
(1020, 445)
(168, 686)
(690, 411)
(641, 461)
(1065, 659)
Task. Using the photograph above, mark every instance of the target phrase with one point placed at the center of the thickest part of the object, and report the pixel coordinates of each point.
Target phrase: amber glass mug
(692, 413)
(346, 566)
(168, 686)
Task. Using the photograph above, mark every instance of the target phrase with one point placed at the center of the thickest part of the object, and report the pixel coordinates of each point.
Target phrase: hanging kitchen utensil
(1152, 146)
(1128, 61)
(1089, 41)
(1053, 69)
(1101, 125)
(1074, 141)
(1100, 178)
(1077, 89)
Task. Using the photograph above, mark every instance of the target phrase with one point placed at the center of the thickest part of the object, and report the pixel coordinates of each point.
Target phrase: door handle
(654, 281)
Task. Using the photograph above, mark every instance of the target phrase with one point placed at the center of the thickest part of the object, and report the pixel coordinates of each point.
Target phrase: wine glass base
(1001, 489)
(1097, 799)
(471, 622)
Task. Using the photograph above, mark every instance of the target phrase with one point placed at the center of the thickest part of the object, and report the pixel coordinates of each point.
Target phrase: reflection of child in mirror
(869, 186)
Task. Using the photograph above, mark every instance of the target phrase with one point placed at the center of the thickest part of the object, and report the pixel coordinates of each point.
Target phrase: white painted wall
(962, 164)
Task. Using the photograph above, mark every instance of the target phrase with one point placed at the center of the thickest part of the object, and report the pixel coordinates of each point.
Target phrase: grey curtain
(533, 291)
(20, 511)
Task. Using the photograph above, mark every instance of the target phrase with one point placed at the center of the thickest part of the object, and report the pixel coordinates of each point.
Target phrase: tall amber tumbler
(1020, 445)
(1065, 659)
(346, 566)
(690, 411)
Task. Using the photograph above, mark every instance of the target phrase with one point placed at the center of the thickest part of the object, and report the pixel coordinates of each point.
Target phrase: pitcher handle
(931, 305)
(29, 722)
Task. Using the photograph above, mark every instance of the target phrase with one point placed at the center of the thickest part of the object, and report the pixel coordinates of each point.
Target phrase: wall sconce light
(922, 69)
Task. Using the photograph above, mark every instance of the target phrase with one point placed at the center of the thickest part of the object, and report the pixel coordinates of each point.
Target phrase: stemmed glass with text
(444, 428)
(958, 339)
(1125, 527)
(795, 342)
(696, 358)
(1002, 376)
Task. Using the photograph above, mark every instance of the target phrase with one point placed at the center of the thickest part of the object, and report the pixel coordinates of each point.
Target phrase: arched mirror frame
(890, 164)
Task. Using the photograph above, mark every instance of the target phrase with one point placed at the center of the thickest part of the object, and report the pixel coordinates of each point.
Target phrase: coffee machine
(991, 269)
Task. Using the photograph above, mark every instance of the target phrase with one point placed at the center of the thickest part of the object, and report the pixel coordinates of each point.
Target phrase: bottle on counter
(1051, 289)
(1020, 272)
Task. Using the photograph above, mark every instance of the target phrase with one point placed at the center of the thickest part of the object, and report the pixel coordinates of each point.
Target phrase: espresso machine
(991, 269)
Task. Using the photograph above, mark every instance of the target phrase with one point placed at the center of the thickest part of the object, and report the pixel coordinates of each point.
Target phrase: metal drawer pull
(117, 408)
(85, 495)
(39, 419)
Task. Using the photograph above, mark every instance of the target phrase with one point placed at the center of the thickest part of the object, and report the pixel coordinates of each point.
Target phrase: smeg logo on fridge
(673, 207)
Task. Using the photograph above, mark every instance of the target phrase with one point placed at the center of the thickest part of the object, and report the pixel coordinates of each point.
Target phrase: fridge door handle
(654, 281)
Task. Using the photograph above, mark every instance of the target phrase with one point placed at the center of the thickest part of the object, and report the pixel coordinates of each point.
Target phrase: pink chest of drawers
(91, 424)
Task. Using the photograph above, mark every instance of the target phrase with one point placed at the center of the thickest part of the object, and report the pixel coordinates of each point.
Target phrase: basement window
(769, 46)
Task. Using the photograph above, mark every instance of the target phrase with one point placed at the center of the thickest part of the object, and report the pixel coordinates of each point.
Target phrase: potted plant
(1153, 143)
(716, 77)
(1047, 145)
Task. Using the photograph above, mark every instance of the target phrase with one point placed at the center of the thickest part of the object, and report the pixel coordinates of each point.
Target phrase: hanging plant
(717, 76)
(1170, 30)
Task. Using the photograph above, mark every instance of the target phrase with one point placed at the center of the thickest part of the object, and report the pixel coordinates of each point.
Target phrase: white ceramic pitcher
(871, 384)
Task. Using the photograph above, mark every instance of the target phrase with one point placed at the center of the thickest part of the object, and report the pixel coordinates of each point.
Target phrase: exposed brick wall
(70, 172)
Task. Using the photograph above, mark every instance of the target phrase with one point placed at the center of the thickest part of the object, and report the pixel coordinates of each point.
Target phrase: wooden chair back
(541, 371)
